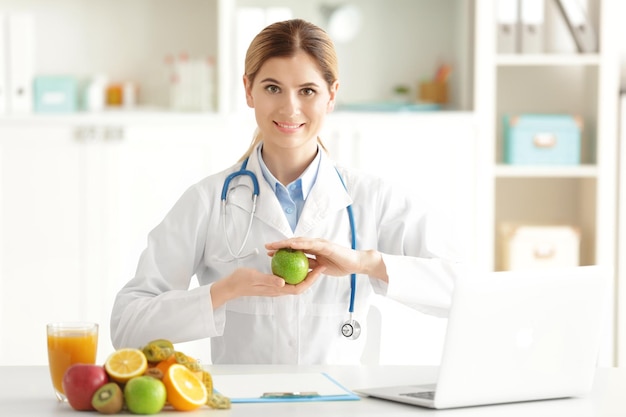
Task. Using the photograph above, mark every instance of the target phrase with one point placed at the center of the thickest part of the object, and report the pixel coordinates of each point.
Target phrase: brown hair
(285, 39)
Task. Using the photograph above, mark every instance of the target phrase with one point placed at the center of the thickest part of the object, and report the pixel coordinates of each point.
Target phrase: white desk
(27, 392)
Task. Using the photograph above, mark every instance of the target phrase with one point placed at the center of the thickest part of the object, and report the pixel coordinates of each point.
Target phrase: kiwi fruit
(158, 350)
(108, 399)
(154, 372)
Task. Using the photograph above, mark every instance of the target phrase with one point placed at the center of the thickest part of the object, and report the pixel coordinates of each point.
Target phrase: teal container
(542, 139)
(55, 94)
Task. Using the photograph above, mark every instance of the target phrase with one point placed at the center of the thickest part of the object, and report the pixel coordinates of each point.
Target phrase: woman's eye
(308, 91)
(272, 89)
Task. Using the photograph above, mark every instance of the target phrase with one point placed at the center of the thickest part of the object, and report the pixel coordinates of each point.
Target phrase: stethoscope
(350, 328)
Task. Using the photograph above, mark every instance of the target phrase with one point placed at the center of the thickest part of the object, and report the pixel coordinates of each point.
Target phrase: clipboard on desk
(281, 387)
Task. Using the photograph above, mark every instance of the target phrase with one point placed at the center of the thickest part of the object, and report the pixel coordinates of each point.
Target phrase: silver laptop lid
(523, 335)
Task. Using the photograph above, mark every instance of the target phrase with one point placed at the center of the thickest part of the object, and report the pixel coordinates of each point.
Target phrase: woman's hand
(338, 260)
(250, 282)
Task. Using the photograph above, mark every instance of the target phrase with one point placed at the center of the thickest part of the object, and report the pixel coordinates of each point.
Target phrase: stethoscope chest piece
(351, 329)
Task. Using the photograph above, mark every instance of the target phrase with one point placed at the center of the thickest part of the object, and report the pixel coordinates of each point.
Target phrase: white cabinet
(149, 170)
(557, 81)
(42, 241)
(79, 197)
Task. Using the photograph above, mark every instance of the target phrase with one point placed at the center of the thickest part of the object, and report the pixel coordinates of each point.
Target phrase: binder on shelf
(532, 26)
(577, 19)
(507, 26)
(3, 65)
(21, 57)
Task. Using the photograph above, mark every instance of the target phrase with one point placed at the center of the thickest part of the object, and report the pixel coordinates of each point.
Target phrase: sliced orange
(185, 391)
(126, 363)
(165, 364)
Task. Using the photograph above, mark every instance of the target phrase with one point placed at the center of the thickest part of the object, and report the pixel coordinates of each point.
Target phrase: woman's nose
(290, 105)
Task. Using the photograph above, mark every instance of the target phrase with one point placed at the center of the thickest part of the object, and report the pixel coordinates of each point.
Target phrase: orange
(126, 363)
(185, 391)
(164, 365)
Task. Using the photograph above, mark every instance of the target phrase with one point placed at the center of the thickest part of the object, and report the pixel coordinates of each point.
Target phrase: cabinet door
(146, 173)
(42, 278)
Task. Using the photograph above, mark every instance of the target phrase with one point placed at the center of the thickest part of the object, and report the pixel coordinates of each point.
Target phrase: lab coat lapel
(327, 197)
(268, 209)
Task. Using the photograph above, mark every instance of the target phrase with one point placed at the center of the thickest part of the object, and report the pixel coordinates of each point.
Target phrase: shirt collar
(307, 179)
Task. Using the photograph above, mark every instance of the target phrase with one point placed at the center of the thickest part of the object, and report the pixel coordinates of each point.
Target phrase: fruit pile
(142, 380)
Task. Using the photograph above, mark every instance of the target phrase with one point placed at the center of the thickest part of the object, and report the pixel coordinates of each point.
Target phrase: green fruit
(145, 395)
(158, 350)
(109, 399)
(291, 265)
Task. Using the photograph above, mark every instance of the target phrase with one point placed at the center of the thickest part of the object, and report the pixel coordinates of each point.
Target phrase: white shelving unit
(551, 82)
(131, 41)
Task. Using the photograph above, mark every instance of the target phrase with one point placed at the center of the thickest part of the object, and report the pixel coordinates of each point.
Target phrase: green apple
(291, 265)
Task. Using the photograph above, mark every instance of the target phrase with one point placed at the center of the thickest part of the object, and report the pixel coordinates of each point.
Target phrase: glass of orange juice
(69, 343)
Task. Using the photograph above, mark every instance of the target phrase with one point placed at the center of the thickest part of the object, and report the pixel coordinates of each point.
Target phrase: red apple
(80, 382)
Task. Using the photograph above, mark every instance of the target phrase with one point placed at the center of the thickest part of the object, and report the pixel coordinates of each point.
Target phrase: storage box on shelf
(542, 139)
(538, 246)
(55, 94)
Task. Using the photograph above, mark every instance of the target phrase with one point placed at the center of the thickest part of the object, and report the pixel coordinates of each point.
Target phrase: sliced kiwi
(154, 372)
(158, 350)
(108, 399)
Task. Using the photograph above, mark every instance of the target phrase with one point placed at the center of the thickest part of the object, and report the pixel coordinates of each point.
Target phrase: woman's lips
(288, 127)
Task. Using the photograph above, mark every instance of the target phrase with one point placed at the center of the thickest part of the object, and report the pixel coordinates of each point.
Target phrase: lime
(291, 265)
(145, 395)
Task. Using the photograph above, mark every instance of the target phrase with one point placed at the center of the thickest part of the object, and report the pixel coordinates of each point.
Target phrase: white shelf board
(140, 114)
(513, 171)
(547, 59)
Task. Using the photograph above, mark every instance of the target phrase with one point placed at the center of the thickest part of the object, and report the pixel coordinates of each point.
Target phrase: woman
(252, 316)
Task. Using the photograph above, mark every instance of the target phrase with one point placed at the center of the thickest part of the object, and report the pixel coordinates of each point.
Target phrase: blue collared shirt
(292, 196)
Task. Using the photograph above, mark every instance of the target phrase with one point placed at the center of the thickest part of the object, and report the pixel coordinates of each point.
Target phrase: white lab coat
(303, 329)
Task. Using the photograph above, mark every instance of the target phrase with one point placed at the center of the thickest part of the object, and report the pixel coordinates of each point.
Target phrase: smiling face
(290, 100)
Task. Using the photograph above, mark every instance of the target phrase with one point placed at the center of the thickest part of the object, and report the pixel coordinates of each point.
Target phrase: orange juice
(69, 344)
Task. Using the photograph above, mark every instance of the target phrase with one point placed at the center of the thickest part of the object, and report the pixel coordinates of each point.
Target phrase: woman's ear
(333, 96)
(247, 85)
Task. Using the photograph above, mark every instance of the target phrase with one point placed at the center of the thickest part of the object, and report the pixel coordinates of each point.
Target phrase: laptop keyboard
(428, 395)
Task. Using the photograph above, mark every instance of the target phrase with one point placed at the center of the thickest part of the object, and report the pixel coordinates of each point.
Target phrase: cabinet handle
(113, 133)
(86, 133)
(93, 133)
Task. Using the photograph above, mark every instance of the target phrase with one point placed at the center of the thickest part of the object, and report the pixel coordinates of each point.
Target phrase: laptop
(516, 336)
